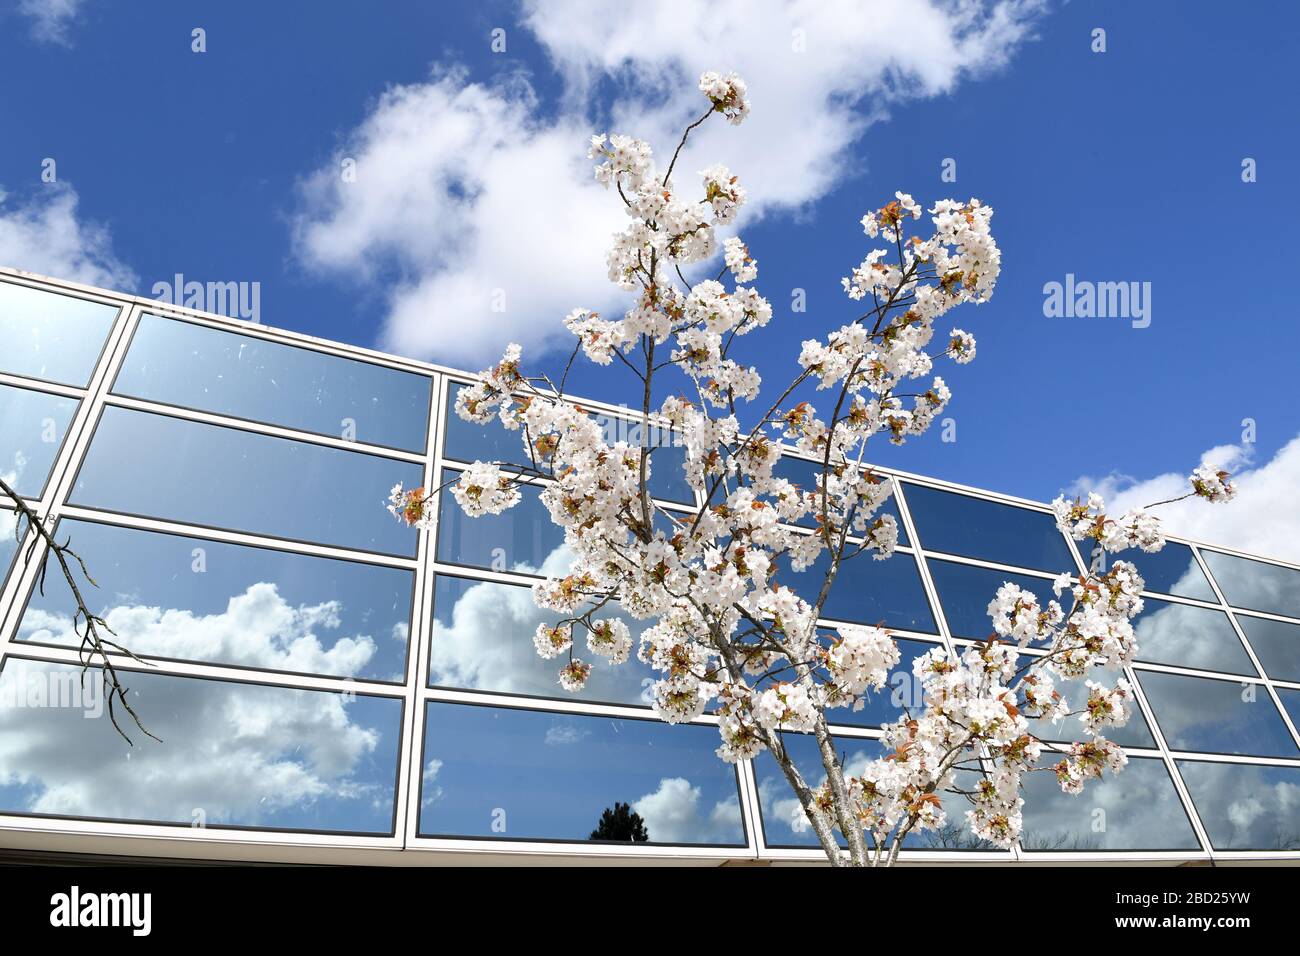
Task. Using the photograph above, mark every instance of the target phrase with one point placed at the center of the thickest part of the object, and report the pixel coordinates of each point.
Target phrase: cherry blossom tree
(723, 631)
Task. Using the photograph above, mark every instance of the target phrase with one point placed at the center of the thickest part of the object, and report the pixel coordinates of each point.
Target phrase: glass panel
(965, 592)
(146, 464)
(528, 775)
(977, 528)
(214, 370)
(231, 754)
(784, 823)
(1245, 807)
(668, 475)
(32, 428)
(1256, 585)
(888, 593)
(1167, 633)
(1135, 809)
(1291, 702)
(466, 441)
(50, 336)
(1172, 570)
(803, 473)
(191, 599)
(1216, 716)
(483, 640)
(1069, 730)
(1187, 636)
(1276, 644)
(522, 539)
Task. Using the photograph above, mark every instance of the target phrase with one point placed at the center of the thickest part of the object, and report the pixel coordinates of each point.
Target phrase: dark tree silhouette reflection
(621, 824)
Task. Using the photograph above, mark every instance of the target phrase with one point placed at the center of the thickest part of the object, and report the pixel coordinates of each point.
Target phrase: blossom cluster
(1212, 484)
(1087, 520)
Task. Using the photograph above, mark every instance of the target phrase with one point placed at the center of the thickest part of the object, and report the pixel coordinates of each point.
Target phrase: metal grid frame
(298, 845)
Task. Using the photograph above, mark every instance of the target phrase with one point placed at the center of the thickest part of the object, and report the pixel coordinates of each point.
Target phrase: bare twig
(85, 623)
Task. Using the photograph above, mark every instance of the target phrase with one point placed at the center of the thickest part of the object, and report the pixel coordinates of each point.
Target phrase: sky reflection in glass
(49, 336)
(32, 428)
(975, 528)
(867, 591)
(1216, 716)
(1171, 570)
(1276, 644)
(154, 465)
(192, 599)
(522, 538)
(965, 591)
(214, 370)
(1255, 585)
(483, 640)
(784, 823)
(1136, 809)
(231, 754)
(1187, 636)
(531, 775)
(1245, 807)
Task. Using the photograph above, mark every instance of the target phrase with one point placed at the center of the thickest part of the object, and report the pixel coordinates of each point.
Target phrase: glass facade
(313, 667)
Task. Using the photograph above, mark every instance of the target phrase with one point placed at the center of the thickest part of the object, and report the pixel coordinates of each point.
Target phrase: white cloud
(258, 628)
(563, 735)
(1261, 520)
(672, 814)
(466, 198)
(484, 641)
(50, 18)
(45, 235)
(1246, 807)
(239, 752)
(432, 791)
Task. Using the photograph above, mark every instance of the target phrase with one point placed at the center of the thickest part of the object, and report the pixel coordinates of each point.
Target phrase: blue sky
(1115, 166)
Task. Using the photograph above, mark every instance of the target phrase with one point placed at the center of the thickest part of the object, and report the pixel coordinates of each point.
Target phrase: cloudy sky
(466, 126)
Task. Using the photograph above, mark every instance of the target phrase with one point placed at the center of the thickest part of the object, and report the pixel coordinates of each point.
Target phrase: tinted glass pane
(1291, 702)
(139, 463)
(190, 599)
(1256, 585)
(527, 775)
(965, 592)
(976, 528)
(784, 823)
(1276, 644)
(1135, 809)
(803, 473)
(483, 640)
(668, 476)
(1187, 636)
(32, 428)
(50, 336)
(524, 538)
(1172, 570)
(1245, 807)
(867, 591)
(1216, 716)
(466, 441)
(232, 754)
(218, 371)
(1135, 733)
